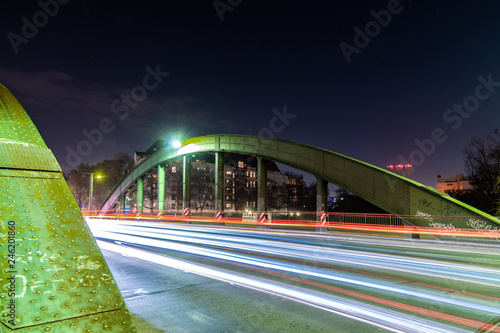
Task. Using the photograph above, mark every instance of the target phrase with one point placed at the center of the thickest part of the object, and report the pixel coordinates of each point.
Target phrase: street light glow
(91, 187)
(176, 144)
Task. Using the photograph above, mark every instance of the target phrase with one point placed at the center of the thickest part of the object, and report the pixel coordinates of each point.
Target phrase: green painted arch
(415, 202)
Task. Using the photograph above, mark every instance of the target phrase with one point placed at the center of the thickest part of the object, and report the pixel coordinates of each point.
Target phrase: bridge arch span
(419, 204)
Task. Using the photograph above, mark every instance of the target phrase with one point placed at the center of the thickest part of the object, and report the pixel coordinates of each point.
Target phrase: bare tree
(276, 196)
(482, 162)
(497, 203)
(202, 189)
(78, 183)
(113, 171)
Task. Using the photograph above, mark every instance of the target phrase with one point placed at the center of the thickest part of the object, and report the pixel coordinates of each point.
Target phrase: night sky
(372, 80)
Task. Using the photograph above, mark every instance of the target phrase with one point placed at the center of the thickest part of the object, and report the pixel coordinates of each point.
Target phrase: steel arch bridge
(416, 203)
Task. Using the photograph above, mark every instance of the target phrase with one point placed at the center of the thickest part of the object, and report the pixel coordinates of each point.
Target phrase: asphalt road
(188, 278)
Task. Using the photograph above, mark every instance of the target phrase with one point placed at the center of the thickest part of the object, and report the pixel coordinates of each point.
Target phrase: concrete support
(161, 189)
(262, 188)
(140, 194)
(122, 204)
(186, 185)
(219, 187)
(321, 203)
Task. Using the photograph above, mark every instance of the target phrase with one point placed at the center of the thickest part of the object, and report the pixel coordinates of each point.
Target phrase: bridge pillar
(321, 203)
(186, 185)
(262, 188)
(161, 189)
(140, 194)
(219, 187)
(122, 204)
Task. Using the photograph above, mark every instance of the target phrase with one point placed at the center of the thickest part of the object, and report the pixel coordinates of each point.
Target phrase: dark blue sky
(227, 76)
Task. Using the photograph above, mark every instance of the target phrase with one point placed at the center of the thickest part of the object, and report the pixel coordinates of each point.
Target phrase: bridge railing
(272, 217)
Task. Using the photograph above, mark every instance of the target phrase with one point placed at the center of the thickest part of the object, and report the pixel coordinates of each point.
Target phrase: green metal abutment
(55, 278)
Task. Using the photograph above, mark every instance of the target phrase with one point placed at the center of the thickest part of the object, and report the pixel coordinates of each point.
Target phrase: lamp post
(91, 188)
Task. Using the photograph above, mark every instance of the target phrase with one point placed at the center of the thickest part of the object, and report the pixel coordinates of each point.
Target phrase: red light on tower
(390, 168)
(399, 169)
(408, 170)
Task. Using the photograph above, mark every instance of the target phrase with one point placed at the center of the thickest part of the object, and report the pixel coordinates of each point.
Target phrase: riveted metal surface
(14, 155)
(21, 145)
(104, 322)
(52, 274)
(15, 124)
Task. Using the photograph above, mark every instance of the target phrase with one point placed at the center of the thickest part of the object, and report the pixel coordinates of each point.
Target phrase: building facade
(240, 184)
(457, 183)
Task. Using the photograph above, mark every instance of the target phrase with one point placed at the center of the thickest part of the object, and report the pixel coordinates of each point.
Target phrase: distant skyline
(384, 82)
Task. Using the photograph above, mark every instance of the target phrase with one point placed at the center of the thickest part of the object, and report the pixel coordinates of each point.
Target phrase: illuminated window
(241, 164)
(228, 172)
(174, 169)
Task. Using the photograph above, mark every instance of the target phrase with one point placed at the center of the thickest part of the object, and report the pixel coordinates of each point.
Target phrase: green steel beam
(261, 185)
(54, 276)
(419, 204)
(122, 204)
(140, 194)
(161, 189)
(186, 182)
(219, 185)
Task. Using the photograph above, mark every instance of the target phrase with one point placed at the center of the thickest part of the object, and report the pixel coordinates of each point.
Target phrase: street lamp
(173, 141)
(176, 144)
(91, 188)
